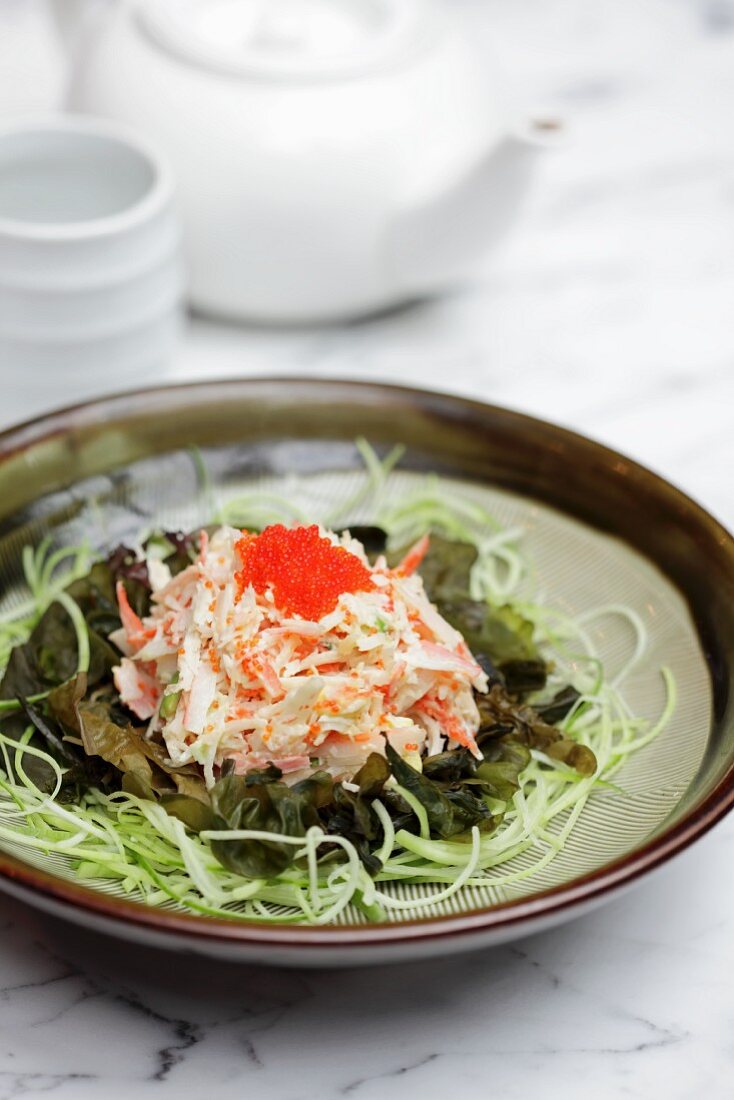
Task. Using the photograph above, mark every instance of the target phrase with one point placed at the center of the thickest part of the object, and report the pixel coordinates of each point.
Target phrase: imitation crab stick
(288, 646)
(413, 558)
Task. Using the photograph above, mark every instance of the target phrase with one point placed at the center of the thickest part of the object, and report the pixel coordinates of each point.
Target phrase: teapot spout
(441, 241)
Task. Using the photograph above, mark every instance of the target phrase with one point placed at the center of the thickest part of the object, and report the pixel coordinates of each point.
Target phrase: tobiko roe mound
(306, 572)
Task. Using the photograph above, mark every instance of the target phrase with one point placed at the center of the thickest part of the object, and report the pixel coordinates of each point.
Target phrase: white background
(610, 310)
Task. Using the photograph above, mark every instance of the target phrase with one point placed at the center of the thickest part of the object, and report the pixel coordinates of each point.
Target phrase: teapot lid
(291, 39)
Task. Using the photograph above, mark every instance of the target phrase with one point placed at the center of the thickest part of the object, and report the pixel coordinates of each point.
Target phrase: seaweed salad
(271, 718)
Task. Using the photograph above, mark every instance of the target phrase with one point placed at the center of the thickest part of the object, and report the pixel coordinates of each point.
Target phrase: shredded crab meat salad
(319, 676)
(235, 669)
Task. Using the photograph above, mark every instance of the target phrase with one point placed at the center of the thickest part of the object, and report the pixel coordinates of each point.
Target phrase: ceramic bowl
(90, 267)
(598, 528)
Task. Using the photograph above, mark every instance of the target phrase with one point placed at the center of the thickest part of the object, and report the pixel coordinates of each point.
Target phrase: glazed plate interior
(572, 568)
(115, 484)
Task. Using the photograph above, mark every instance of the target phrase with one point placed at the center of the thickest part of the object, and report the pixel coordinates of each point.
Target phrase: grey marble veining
(628, 1002)
(609, 310)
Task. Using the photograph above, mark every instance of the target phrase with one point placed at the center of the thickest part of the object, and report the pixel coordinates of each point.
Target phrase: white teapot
(333, 157)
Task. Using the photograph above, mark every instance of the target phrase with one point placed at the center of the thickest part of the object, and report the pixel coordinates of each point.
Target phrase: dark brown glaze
(460, 437)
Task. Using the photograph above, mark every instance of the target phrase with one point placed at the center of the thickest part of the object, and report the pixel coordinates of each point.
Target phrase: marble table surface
(609, 310)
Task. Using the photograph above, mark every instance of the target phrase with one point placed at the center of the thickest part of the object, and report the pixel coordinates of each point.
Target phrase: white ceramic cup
(91, 277)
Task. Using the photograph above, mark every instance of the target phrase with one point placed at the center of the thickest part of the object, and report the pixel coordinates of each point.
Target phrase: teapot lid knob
(290, 38)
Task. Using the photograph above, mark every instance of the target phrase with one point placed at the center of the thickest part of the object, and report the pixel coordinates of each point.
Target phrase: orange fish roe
(305, 572)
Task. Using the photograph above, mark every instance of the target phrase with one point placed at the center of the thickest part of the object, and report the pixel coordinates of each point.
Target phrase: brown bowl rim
(60, 894)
